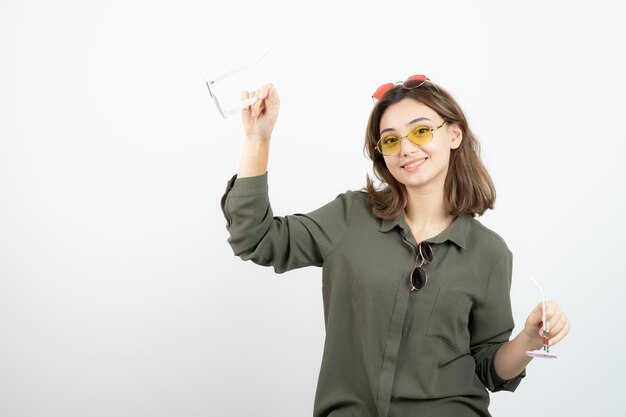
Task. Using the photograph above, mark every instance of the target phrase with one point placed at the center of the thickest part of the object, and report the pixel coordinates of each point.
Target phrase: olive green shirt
(389, 352)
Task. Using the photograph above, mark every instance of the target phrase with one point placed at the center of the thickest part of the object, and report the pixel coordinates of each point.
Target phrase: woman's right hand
(260, 118)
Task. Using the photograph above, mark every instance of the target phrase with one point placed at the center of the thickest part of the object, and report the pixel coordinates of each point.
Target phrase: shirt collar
(457, 232)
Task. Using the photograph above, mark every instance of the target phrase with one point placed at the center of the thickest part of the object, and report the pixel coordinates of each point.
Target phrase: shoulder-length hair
(468, 187)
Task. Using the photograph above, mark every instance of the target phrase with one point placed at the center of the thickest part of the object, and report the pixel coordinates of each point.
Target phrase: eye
(390, 140)
(422, 130)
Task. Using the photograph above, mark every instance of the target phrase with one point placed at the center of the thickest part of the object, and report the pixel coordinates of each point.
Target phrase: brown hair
(468, 187)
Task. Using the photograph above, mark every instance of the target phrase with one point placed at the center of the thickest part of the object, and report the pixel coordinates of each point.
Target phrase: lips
(414, 163)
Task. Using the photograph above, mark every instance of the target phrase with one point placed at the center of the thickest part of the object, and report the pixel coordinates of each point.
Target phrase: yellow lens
(420, 135)
(389, 145)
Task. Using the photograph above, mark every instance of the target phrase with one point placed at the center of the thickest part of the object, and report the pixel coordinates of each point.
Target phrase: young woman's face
(419, 166)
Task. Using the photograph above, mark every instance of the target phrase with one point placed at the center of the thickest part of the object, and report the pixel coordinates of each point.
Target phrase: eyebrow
(419, 119)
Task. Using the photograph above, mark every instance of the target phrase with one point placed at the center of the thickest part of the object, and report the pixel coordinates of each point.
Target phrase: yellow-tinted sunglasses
(419, 135)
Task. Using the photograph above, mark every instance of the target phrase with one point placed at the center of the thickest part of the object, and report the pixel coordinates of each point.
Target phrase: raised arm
(288, 242)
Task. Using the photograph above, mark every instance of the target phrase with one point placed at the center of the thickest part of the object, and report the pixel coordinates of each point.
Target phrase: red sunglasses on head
(413, 81)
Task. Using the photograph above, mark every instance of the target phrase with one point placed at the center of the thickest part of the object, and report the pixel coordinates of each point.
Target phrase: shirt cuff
(496, 383)
(248, 186)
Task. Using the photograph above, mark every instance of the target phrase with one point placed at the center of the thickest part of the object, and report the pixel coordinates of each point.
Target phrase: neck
(426, 212)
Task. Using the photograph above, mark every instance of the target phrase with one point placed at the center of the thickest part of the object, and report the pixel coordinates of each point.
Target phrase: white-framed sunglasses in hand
(210, 83)
(545, 351)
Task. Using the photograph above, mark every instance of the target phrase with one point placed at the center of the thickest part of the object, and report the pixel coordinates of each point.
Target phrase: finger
(256, 107)
(534, 323)
(554, 314)
(551, 308)
(553, 319)
(244, 96)
(272, 99)
(265, 90)
(536, 316)
(563, 321)
(245, 112)
(557, 325)
(561, 335)
(262, 94)
(543, 324)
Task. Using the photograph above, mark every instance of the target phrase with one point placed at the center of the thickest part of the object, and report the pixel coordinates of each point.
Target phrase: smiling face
(417, 166)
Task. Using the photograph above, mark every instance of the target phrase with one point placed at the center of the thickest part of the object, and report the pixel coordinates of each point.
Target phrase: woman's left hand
(558, 324)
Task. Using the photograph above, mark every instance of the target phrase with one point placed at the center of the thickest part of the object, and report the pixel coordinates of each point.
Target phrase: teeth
(414, 164)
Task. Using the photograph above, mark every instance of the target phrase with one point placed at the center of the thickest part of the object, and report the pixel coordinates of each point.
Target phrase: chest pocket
(449, 320)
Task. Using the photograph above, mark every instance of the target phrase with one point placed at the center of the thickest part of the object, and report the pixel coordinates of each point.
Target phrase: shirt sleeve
(286, 243)
(491, 325)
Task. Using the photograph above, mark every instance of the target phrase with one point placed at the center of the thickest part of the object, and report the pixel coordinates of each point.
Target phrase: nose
(406, 146)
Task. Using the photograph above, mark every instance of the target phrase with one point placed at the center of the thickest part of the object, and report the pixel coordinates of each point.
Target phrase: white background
(119, 295)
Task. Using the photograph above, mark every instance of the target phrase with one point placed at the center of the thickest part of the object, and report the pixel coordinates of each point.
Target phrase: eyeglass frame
(432, 134)
(403, 84)
(545, 323)
(243, 104)
(420, 267)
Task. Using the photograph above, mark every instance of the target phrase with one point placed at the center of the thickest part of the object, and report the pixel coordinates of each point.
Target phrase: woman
(416, 291)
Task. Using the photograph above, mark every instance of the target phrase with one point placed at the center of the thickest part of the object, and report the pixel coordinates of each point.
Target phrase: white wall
(119, 294)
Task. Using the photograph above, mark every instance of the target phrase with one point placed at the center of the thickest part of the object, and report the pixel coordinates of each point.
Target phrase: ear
(456, 135)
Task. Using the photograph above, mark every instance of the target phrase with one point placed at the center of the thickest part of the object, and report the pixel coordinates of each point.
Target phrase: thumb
(534, 322)
(537, 314)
